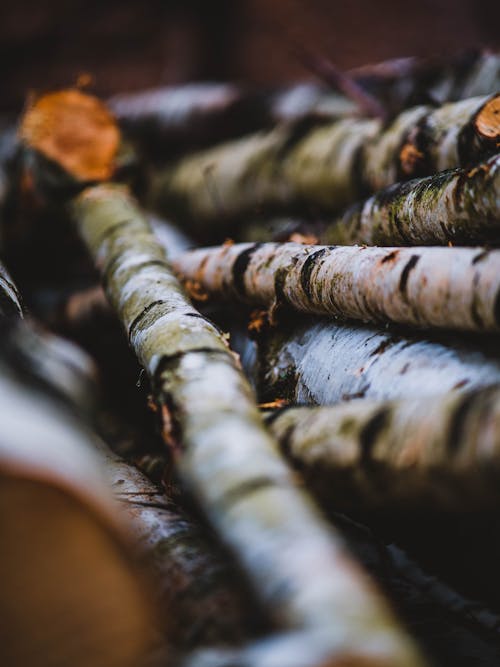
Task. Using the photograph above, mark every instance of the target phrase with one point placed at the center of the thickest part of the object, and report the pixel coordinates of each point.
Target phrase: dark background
(131, 44)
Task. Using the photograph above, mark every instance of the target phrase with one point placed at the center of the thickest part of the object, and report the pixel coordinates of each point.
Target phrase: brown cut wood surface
(75, 130)
(68, 595)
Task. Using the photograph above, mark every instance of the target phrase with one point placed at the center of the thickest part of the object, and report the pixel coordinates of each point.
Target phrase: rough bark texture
(199, 594)
(323, 363)
(229, 461)
(458, 206)
(427, 287)
(388, 456)
(329, 166)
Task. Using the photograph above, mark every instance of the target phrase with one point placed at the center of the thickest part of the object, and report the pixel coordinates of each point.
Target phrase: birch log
(458, 206)
(427, 454)
(327, 166)
(172, 119)
(71, 591)
(454, 288)
(224, 454)
(324, 363)
(200, 598)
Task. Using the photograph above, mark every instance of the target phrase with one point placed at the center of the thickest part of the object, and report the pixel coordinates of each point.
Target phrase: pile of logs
(274, 451)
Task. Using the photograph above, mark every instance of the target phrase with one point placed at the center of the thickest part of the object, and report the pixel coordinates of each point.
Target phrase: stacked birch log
(374, 362)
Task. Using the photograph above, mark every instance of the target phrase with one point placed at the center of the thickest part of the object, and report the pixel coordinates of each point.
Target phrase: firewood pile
(250, 387)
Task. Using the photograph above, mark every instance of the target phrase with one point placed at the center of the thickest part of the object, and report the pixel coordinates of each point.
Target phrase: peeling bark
(327, 166)
(455, 288)
(427, 454)
(224, 454)
(459, 206)
(324, 363)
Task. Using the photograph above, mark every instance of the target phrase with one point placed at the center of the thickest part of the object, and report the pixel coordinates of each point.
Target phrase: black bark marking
(273, 416)
(279, 285)
(247, 488)
(370, 431)
(474, 309)
(384, 345)
(143, 312)
(110, 267)
(388, 258)
(480, 256)
(115, 227)
(496, 308)
(170, 362)
(405, 273)
(152, 262)
(240, 266)
(298, 131)
(199, 316)
(307, 269)
(457, 422)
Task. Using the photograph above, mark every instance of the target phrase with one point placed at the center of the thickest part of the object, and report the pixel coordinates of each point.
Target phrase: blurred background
(128, 45)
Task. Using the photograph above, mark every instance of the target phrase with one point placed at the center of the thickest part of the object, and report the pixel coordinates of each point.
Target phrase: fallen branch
(427, 287)
(459, 206)
(212, 426)
(198, 592)
(425, 455)
(329, 166)
(324, 363)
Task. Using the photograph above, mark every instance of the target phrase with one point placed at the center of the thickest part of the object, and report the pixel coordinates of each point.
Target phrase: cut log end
(76, 131)
(488, 120)
(69, 594)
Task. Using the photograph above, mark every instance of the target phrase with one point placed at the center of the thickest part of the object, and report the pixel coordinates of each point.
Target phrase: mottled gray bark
(458, 206)
(423, 454)
(327, 166)
(427, 287)
(324, 363)
(224, 454)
